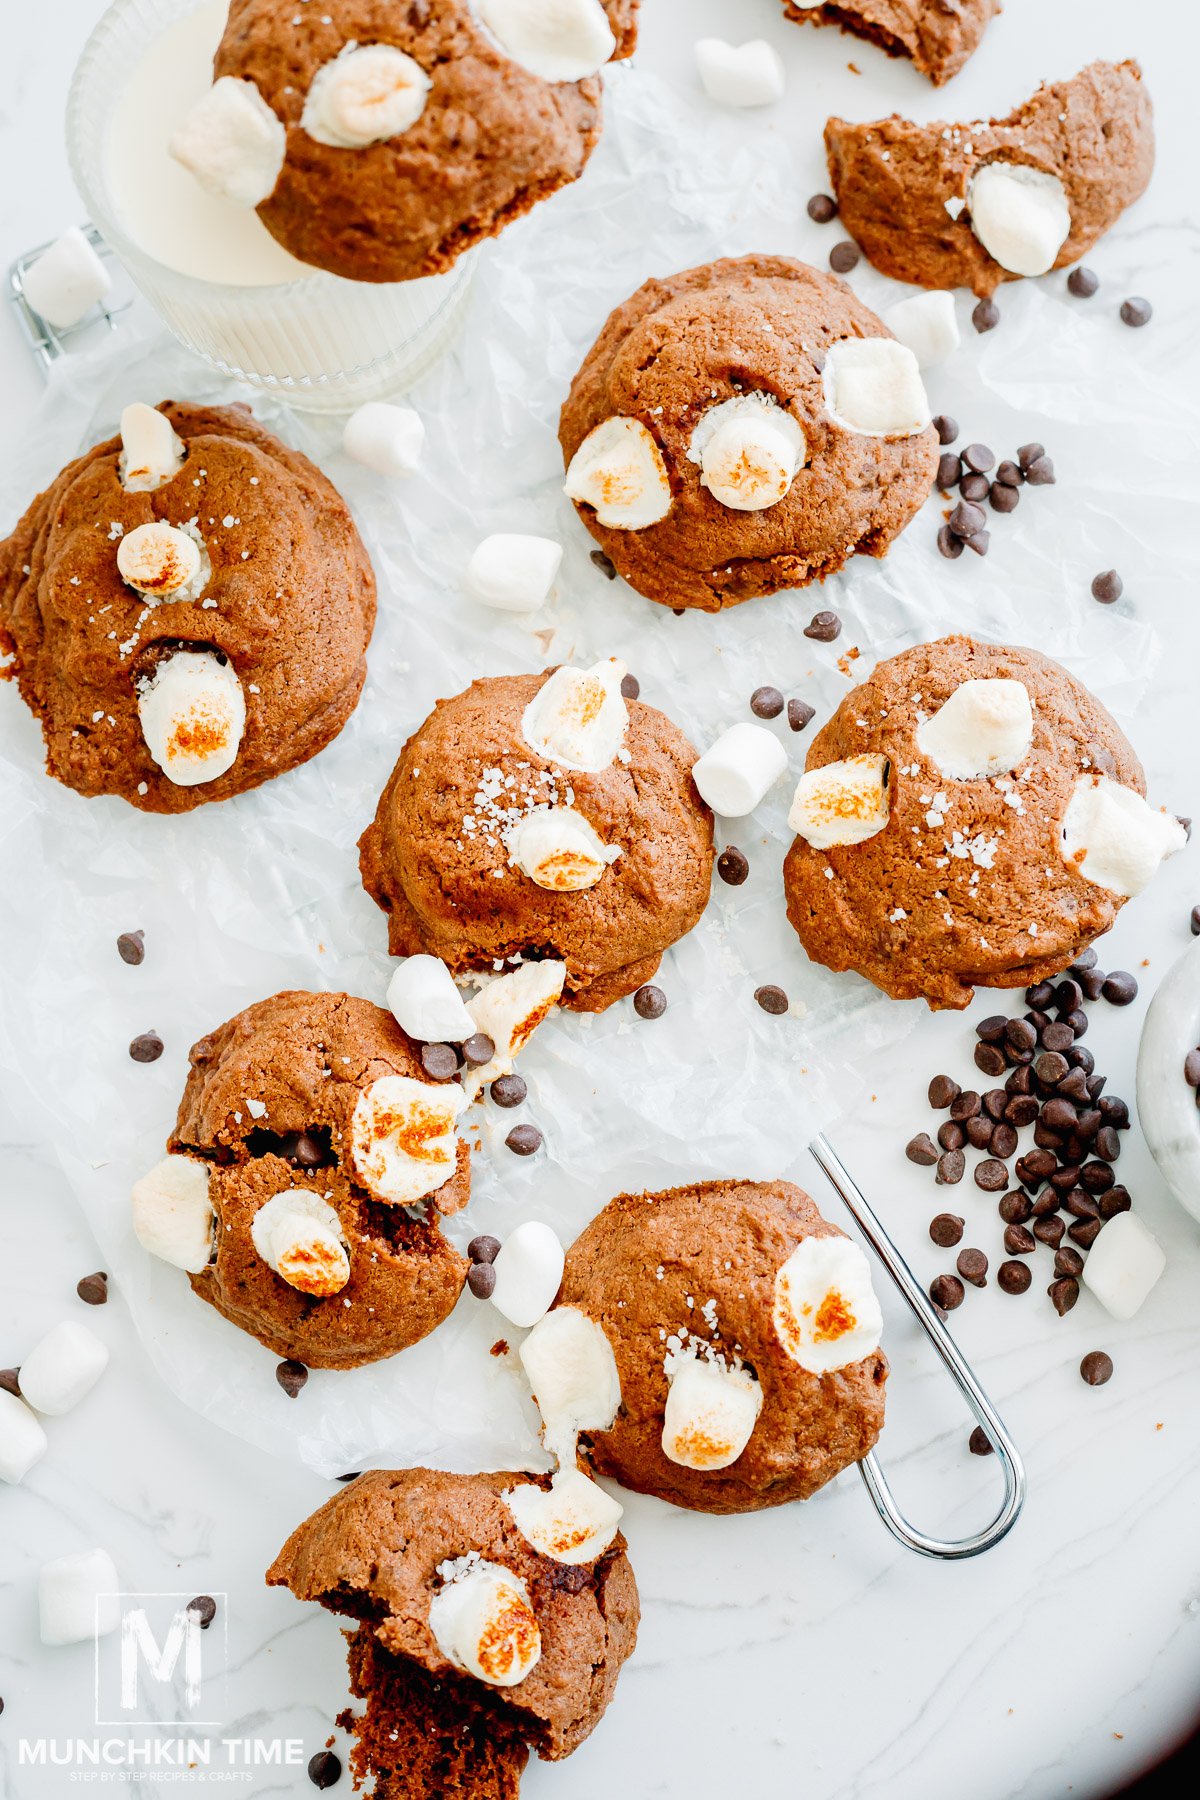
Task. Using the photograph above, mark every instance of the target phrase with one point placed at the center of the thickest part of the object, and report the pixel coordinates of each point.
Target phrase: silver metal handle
(926, 1315)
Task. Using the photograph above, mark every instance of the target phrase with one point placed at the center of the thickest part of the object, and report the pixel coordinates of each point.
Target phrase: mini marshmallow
(151, 452)
(748, 74)
(710, 1414)
(1020, 216)
(985, 728)
(62, 1367)
(172, 1214)
(232, 142)
(388, 439)
(736, 772)
(574, 1521)
(926, 324)
(66, 281)
(160, 561)
(425, 1003)
(619, 471)
(512, 571)
(826, 1311)
(578, 718)
(559, 850)
(873, 386)
(1122, 1266)
(193, 713)
(402, 1137)
(78, 1597)
(484, 1622)
(299, 1235)
(560, 40)
(509, 1011)
(529, 1269)
(842, 802)
(1114, 838)
(22, 1440)
(573, 1373)
(367, 93)
(749, 450)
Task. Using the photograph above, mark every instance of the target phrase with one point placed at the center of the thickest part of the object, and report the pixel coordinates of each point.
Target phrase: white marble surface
(800, 1649)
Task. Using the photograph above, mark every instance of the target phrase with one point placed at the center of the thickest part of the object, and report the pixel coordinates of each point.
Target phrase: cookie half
(936, 37)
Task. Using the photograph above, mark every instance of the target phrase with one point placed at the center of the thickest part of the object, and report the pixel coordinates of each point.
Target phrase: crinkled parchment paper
(262, 893)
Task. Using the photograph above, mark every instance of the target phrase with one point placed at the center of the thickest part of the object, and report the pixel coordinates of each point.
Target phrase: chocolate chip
(994, 1103)
(821, 208)
(1029, 454)
(992, 1029)
(966, 519)
(1115, 1201)
(324, 1769)
(1092, 983)
(1195, 921)
(979, 458)
(972, 1265)
(1114, 1111)
(1021, 1110)
(1040, 473)
(979, 1443)
(1107, 587)
(1005, 499)
(1047, 1202)
(631, 687)
(732, 866)
(943, 1091)
(980, 1129)
(439, 1061)
(949, 545)
(1136, 310)
(946, 1230)
(979, 542)
(946, 428)
(772, 999)
(1020, 1082)
(1004, 1141)
(1082, 282)
(947, 1291)
(1040, 996)
(844, 257)
(921, 1149)
(824, 626)
(974, 487)
(1018, 1241)
(304, 1150)
(766, 703)
(1009, 474)
(508, 1090)
(1035, 1167)
(649, 1002)
(1068, 1262)
(483, 1249)
(991, 1175)
(146, 1048)
(1060, 1115)
(205, 1609)
(986, 316)
(291, 1376)
(131, 947)
(1063, 1294)
(965, 1105)
(9, 1382)
(951, 1135)
(93, 1289)
(524, 1140)
(1084, 1232)
(1096, 1368)
(605, 564)
(1013, 1277)
(478, 1050)
(950, 470)
(951, 1167)
(1050, 1230)
(1120, 988)
(990, 1059)
(800, 714)
(1078, 1021)
(352, 1476)
(1057, 1038)
(1051, 1066)
(481, 1279)
(1108, 1143)
(1015, 1208)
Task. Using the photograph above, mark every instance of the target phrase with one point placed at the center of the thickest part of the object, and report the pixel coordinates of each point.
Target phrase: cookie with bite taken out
(938, 37)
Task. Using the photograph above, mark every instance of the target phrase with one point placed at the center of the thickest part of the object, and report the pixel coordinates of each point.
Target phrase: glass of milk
(212, 269)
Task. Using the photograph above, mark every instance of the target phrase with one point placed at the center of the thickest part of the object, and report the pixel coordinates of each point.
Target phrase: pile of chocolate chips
(968, 472)
(1051, 1084)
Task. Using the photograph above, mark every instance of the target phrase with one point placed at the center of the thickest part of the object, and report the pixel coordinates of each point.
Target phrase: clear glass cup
(324, 343)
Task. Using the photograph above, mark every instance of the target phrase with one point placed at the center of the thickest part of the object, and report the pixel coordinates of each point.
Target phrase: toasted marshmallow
(368, 92)
(826, 1312)
(151, 452)
(299, 1235)
(232, 142)
(1020, 216)
(1122, 1265)
(1113, 837)
(559, 850)
(386, 438)
(509, 1011)
(78, 1598)
(560, 40)
(172, 1213)
(738, 771)
(573, 1374)
(710, 1413)
(574, 1521)
(22, 1440)
(985, 728)
(619, 471)
(529, 1269)
(842, 802)
(512, 571)
(483, 1621)
(402, 1137)
(749, 450)
(161, 561)
(62, 1367)
(748, 74)
(193, 714)
(66, 281)
(424, 1001)
(926, 324)
(578, 718)
(873, 386)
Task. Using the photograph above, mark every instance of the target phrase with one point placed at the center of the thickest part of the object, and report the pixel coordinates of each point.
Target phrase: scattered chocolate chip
(980, 1129)
(844, 257)
(732, 866)
(946, 428)
(978, 458)
(1115, 1201)
(1084, 1232)
(1051, 1066)
(947, 1291)
(523, 1140)
(946, 1230)
(965, 1104)
(824, 626)
(1015, 1208)
(1063, 1294)
(951, 1167)
(1040, 473)
(205, 1609)
(1021, 1110)
(921, 1149)
(324, 1769)
(1114, 1111)
(352, 1476)
(147, 1047)
(1068, 1262)
(994, 1103)
(478, 1050)
(304, 1151)
(990, 1059)
(631, 687)
(1107, 587)
(943, 1092)
(1120, 988)
(1014, 1277)
(131, 947)
(821, 208)
(93, 1289)
(966, 519)
(949, 545)
(1018, 1241)
(9, 1381)
(979, 542)
(605, 564)
(1029, 453)
(975, 487)
(1096, 1368)
(1082, 282)
(1136, 311)
(979, 1443)
(1005, 499)
(800, 714)
(1009, 474)
(950, 469)
(1050, 1230)
(766, 703)
(993, 1029)
(508, 1090)
(439, 1061)
(972, 1265)
(772, 999)
(481, 1279)
(1057, 1038)
(1004, 1141)
(291, 1376)
(1195, 921)
(986, 316)
(951, 1135)
(483, 1249)
(649, 1002)
(991, 1175)
(1108, 1143)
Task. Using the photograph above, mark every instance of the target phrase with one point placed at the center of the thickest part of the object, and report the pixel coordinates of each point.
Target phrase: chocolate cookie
(708, 453)
(188, 608)
(938, 35)
(745, 1332)
(907, 193)
(970, 816)
(393, 136)
(543, 816)
(473, 1645)
(320, 1157)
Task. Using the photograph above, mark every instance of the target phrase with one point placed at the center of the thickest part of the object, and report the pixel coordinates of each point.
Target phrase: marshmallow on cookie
(299, 1235)
(232, 142)
(749, 450)
(367, 93)
(843, 802)
(509, 1010)
(872, 385)
(152, 452)
(985, 728)
(402, 1137)
(483, 1621)
(1020, 215)
(619, 472)
(560, 40)
(710, 1414)
(827, 1314)
(559, 850)
(173, 1217)
(193, 713)
(1114, 838)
